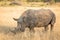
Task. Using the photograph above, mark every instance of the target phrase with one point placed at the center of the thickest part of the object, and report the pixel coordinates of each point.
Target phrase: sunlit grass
(31, 4)
(4, 3)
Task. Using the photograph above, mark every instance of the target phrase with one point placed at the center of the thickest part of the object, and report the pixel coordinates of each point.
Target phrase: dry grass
(7, 23)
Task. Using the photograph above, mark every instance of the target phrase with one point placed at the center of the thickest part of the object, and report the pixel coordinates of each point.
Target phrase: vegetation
(26, 2)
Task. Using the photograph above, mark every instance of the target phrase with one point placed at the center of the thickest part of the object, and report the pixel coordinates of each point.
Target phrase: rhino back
(40, 17)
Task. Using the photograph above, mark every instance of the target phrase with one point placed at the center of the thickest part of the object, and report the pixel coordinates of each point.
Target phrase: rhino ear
(15, 19)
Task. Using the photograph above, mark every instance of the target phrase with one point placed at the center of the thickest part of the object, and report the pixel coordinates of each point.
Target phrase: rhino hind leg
(46, 28)
(51, 27)
(52, 23)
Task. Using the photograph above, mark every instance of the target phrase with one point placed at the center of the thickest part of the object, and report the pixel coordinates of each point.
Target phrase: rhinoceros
(32, 18)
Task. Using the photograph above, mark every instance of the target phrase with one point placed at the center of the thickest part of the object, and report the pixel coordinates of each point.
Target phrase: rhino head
(20, 25)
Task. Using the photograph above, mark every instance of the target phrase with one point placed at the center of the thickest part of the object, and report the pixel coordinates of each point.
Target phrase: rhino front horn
(15, 19)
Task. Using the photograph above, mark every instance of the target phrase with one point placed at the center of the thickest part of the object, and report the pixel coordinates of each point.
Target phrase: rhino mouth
(17, 30)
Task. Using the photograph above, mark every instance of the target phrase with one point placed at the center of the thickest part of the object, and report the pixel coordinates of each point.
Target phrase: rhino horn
(15, 19)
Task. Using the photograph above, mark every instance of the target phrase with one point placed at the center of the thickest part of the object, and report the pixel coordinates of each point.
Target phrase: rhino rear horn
(15, 19)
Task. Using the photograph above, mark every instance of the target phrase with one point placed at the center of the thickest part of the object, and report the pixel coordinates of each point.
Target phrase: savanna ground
(7, 23)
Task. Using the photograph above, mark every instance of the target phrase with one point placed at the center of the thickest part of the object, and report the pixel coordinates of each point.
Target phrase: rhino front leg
(31, 29)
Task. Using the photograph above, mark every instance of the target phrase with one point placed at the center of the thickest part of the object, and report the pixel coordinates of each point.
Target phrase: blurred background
(28, 2)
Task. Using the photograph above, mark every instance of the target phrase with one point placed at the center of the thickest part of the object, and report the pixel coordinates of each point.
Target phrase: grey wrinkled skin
(35, 18)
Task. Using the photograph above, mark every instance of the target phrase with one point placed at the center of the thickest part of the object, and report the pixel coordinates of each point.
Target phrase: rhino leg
(31, 29)
(46, 28)
(51, 27)
(52, 24)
